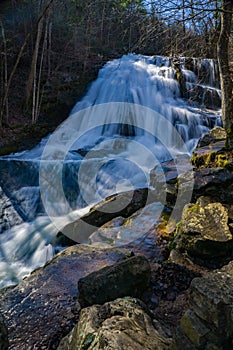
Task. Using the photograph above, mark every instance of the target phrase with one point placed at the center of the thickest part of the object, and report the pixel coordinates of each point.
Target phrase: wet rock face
(121, 324)
(44, 306)
(123, 204)
(204, 233)
(121, 231)
(129, 277)
(3, 335)
(208, 324)
(8, 215)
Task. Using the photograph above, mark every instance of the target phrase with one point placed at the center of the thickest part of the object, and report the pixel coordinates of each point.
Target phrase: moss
(88, 340)
(172, 244)
(195, 208)
(221, 160)
(210, 158)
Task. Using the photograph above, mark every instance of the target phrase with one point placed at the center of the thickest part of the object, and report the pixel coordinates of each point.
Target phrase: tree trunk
(224, 69)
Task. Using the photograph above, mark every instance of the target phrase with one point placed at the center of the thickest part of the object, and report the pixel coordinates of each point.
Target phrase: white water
(95, 156)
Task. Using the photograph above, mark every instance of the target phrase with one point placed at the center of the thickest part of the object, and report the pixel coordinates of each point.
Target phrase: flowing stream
(134, 117)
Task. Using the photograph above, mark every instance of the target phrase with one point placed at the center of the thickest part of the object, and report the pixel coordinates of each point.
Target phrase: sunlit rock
(116, 325)
(204, 233)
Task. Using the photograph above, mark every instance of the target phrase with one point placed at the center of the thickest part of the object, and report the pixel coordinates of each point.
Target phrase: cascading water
(126, 124)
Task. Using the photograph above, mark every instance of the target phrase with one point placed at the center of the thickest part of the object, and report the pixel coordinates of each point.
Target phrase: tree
(204, 15)
(224, 69)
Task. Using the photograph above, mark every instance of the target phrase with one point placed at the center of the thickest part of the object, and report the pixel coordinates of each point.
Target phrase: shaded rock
(194, 328)
(212, 98)
(129, 277)
(208, 322)
(8, 215)
(121, 324)
(171, 279)
(215, 134)
(123, 204)
(214, 182)
(3, 335)
(204, 233)
(44, 306)
(204, 95)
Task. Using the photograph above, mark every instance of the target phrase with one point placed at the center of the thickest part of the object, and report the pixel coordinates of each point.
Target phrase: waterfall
(132, 118)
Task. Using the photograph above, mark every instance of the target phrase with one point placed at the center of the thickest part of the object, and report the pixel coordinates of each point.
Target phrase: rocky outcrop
(44, 306)
(3, 335)
(129, 277)
(121, 324)
(216, 134)
(208, 324)
(204, 233)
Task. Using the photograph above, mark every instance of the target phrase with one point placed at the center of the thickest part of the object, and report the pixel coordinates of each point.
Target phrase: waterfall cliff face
(140, 111)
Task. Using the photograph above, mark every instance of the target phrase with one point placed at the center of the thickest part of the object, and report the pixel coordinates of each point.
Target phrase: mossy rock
(204, 234)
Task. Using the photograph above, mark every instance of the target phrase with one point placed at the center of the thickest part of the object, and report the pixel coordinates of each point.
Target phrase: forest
(51, 51)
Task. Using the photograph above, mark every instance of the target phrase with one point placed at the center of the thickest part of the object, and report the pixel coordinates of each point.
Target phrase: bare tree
(224, 68)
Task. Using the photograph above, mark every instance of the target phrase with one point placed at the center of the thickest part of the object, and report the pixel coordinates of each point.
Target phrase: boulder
(121, 231)
(129, 277)
(208, 323)
(214, 182)
(216, 134)
(4, 344)
(204, 233)
(123, 204)
(44, 306)
(120, 324)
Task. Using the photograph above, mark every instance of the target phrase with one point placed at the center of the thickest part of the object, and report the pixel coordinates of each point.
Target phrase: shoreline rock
(128, 277)
(44, 306)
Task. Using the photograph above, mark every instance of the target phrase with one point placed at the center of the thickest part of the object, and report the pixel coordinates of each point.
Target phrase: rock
(4, 344)
(194, 328)
(123, 204)
(44, 306)
(214, 182)
(208, 322)
(121, 231)
(129, 277)
(216, 134)
(212, 298)
(212, 98)
(8, 215)
(121, 324)
(204, 233)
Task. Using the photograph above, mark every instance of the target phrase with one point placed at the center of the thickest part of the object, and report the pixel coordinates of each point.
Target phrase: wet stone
(44, 306)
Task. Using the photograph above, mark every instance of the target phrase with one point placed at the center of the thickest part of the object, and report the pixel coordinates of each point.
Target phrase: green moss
(210, 158)
(88, 340)
(221, 160)
(195, 208)
(178, 225)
